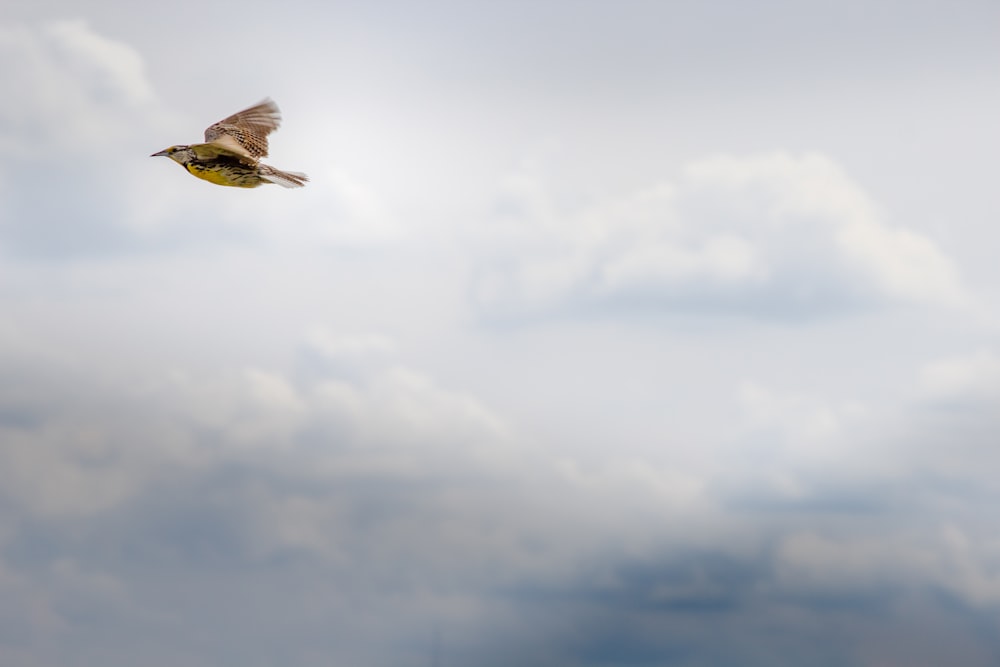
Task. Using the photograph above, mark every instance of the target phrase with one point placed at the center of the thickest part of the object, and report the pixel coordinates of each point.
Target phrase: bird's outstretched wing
(245, 133)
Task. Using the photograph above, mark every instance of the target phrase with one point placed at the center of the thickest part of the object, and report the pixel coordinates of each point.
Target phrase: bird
(233, 148)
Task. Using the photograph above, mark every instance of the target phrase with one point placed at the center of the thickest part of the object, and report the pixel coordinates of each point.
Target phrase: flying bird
(233, 148)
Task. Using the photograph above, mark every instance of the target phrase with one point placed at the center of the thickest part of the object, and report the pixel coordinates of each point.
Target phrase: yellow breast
(221, 175)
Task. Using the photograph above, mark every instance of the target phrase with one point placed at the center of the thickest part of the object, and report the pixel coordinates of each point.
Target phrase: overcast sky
(605, 333)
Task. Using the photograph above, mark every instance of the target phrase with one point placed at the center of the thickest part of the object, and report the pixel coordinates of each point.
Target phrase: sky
(634, 333)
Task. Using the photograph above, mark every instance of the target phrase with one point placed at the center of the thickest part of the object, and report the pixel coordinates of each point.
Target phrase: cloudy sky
(632, 333)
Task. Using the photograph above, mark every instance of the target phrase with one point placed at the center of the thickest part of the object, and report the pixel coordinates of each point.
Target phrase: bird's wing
(245, 133)
(225, 147)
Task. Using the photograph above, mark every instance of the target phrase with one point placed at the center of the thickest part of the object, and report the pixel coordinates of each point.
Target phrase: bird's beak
(163, 152)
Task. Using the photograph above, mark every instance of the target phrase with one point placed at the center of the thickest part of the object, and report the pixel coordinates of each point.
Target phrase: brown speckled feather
(248, 128)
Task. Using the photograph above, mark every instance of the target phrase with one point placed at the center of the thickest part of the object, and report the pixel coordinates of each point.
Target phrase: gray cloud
(352, 507)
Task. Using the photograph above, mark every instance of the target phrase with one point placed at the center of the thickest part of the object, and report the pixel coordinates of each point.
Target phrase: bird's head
(179, 154)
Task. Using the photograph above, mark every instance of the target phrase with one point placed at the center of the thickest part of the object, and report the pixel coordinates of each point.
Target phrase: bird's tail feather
(288, 179)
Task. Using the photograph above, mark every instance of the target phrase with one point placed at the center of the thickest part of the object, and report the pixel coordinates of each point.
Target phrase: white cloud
(112, 68)
(973, 378)
(724, 259)
(85, 450)
(770, 235)
(76, 91)
(70, 145)
(334, 210)
(803, 420)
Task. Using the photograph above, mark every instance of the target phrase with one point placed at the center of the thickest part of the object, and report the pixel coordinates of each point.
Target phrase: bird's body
(222, 171)
(232, 151)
